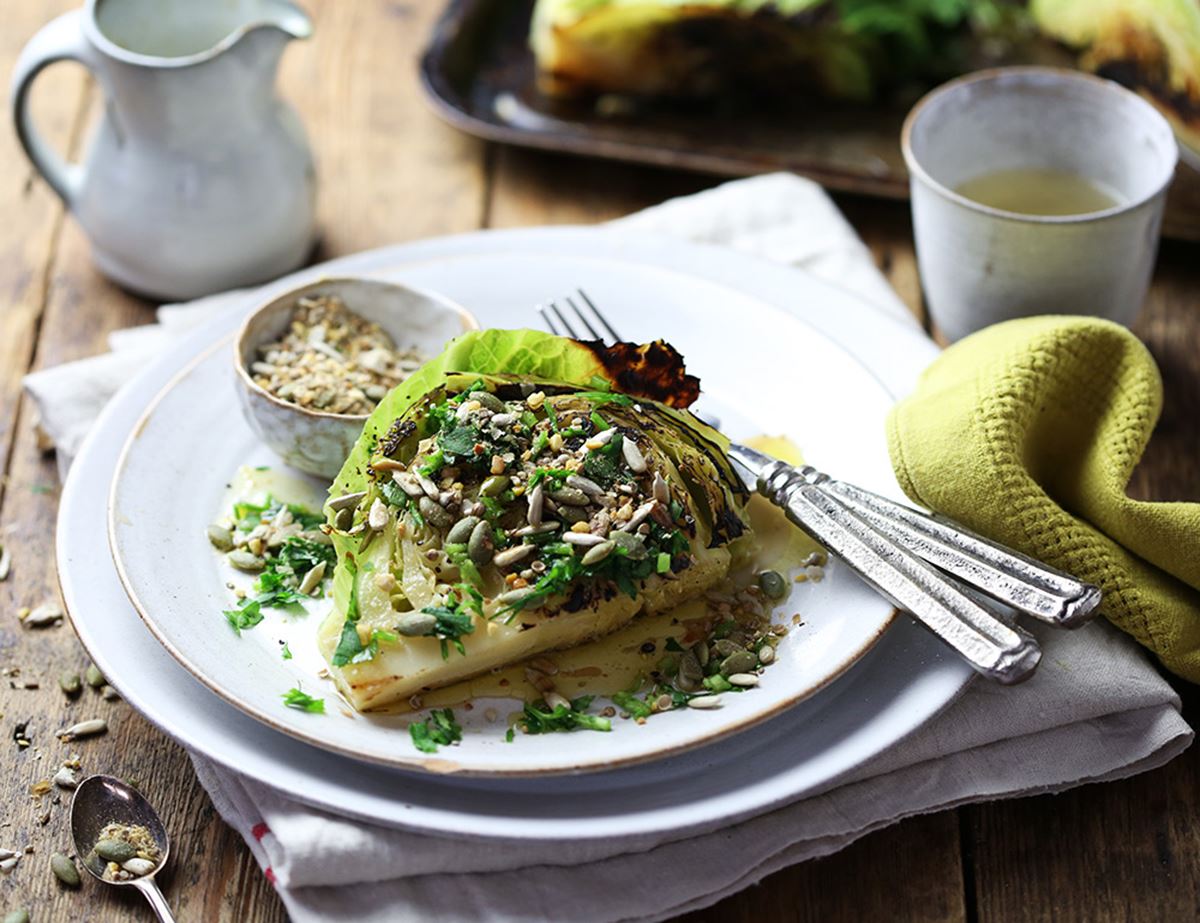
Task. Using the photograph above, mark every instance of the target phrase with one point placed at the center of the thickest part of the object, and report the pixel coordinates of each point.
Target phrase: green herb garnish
(294, 698)
(632, 705)
(545, 720)
(440, 730)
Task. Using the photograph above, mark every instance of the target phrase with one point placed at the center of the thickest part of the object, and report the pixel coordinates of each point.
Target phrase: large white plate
(762, 370)
(898, 686)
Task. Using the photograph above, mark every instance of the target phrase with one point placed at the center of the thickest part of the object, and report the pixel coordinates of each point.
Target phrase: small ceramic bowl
(311, 440)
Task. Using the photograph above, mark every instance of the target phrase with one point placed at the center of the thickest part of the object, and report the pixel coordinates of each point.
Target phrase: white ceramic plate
(762, 370)
(893, 690)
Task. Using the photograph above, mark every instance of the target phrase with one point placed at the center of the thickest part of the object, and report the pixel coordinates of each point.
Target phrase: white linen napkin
(1096, 710)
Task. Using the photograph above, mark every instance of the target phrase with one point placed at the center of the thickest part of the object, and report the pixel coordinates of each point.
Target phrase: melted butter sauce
(620, 661)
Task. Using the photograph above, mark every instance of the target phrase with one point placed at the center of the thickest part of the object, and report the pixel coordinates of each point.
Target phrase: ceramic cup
(981, 265)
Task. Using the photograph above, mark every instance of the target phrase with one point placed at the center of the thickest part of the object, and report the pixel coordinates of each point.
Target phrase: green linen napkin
(1028, 432)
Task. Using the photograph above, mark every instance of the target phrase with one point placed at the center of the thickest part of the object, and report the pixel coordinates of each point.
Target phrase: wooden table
(391, 172)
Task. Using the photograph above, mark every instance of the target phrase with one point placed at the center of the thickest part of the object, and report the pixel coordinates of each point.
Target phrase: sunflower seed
(7, 865)
(494, 486)
(88, 728)
(64, 870)
(68, 682)
(220, 538)
(43, 616)
(346, 501)
(490, 401)
(502, 420)
(743, 679)
(537, 500)
(65, 778)
(598, 553)
(659, 488)
(633, 456)
(556, 699)
(705, 702)
(587, 485)
(513, 555)
(569, 496)
(514, 596)
(245, 561)
(433, 513)
(138, 866)
(93, 677)
(601, 439)
(312, 579)
(766, 654)
(417, 624)
(429, 488)
(548, 526)
(408, 484)
(378, 517)
(640, 515)
(480, 544)
(583, 539)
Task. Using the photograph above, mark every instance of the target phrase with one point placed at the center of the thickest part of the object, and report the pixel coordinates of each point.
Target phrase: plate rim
(417, 762)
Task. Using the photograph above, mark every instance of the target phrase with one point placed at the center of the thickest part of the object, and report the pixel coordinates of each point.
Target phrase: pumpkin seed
(495, 485)
(68, 682)
(480, 544)
(20, 915)
(64, 870)
(417, 624)
(513, 555)
(741, 662)
(220, 537)
(691, 674)
(88, 728)
(705, 702)
(766, 654)
(245, 561)
(633, 456)
(346, 501)
(114, 850)
(537, 502)
(343, 520)
(490, 401)
(312, 579)
(723, 647)
(569, 496)
(598, 553)
(139, 866)
(378, 516)
(632, 545)
(93, 677)
(573, 514)
(109, 693)
(700, 649)
(772, 584)
(460, 532)
(43, 616)
(433, 513)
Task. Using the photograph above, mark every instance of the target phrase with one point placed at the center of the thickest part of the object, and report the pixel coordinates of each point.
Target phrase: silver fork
(907, 555)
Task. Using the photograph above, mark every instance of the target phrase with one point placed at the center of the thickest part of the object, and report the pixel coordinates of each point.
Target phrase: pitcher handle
(62, 39)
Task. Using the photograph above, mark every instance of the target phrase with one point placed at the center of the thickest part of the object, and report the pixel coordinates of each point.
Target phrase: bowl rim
(469, 323)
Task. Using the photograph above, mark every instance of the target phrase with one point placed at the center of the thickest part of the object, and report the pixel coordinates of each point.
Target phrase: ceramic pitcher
(198, 178)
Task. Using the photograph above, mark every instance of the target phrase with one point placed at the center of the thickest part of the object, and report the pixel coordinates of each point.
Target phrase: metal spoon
(102, 800)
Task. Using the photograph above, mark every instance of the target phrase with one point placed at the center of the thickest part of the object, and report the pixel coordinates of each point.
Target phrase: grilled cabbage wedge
(504, 515)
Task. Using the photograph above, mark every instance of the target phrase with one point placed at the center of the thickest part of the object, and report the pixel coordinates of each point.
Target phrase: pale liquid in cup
(1032, 191)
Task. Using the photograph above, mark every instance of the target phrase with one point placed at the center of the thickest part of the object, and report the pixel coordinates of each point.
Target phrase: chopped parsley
(294, 698)
(632, 705)
(541, 719)
(286, 651)
(295, 558)
(369, 652)
(349, 644)
(439, 731)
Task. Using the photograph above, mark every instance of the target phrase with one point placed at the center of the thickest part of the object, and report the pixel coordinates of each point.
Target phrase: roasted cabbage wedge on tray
(794, 51)
(522, 493)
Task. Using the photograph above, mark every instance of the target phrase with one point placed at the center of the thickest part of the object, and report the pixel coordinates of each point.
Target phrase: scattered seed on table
(43, 616)
(64, 870)
(87, 728)
(68, 682)
(109, 693)
(5, 563)
(66, 778)
(20, 915)
(93, 677)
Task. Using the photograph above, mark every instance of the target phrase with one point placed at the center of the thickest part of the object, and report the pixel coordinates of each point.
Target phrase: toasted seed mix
(129, 850)
(332, 360)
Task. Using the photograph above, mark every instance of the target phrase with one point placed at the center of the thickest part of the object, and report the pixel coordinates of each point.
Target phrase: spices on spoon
(128, 851)
(332, 360)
